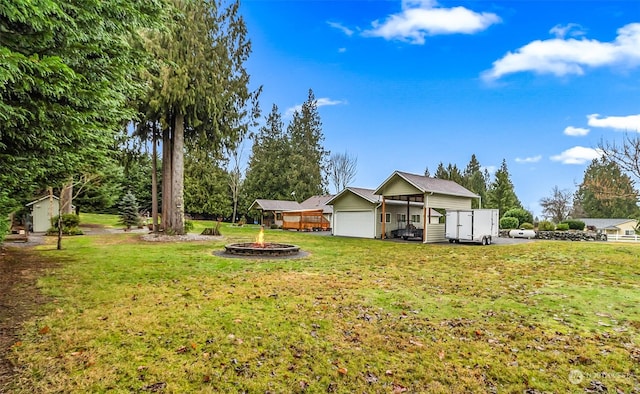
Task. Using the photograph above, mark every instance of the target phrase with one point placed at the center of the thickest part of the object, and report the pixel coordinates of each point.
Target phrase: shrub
(188, 226)
(70, 222)
(522, 215)
(274, 226)
(526, 226)
(546, 225)
(574, 224)
(129, 210)
(508, 223)
(562, 227)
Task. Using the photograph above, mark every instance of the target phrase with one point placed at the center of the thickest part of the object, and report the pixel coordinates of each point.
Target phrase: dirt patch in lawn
(20, 268)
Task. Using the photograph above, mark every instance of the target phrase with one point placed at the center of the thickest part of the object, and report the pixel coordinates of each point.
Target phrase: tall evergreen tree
(607, 192)
(308, 160)
(268, 169)
(474, 180)
(441, 172)
(200, 90)
(501, 193)
(206, 184)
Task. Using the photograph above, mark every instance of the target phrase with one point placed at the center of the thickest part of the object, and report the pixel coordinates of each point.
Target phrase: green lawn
(354, 316)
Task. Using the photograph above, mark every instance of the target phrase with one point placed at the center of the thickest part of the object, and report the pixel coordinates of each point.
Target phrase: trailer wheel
(488, 240)
(451, 240)
(484, 241)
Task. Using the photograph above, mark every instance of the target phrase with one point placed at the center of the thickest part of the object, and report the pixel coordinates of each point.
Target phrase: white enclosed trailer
(471, 225)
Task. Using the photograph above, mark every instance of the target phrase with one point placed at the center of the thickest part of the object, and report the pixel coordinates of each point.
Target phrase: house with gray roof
(403, 200)
(612, 227)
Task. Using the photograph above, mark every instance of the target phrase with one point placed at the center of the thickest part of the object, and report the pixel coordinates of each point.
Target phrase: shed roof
(275, 205)
(428, 185)
(318, 202)
(41, 199)
(606, 223)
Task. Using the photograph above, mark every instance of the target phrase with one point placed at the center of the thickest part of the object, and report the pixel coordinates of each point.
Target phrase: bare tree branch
(342, 169)
(626, 155)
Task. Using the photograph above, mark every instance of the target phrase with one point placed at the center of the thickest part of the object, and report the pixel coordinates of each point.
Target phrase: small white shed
(42, 210)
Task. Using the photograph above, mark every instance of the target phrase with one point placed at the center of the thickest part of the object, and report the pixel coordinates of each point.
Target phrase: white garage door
(354, 224)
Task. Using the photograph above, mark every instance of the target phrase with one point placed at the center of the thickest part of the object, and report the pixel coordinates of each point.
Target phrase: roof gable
(365, 194)
(425, 184)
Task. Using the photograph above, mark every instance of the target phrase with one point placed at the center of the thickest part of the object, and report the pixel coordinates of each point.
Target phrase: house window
(629, 232)
(401, 217)
(279, 216)
(387, 216)
(415, 218)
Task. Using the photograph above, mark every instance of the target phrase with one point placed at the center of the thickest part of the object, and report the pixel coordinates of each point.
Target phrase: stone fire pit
(266, 249)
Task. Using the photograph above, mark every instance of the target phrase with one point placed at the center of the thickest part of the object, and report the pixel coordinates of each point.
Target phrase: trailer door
(465, 225)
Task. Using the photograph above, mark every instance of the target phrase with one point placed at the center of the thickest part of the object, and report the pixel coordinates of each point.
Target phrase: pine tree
(441, 172)
(268, 169)
(474, 180)
(501, 194)
(129, 211)
(206, 184)
(308, 160)
(606, 192)
(200, 90)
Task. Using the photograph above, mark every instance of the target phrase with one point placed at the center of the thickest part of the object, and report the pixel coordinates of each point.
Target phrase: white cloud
(576, 131)
(577, 155)
(625, 123)
(321, 102)
(342, 50)
(559, 56)
(533, 159)
(421, 18)
(571, 29)
(341, 27)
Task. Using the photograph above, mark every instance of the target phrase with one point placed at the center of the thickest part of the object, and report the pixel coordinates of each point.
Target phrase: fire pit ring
(266, 249)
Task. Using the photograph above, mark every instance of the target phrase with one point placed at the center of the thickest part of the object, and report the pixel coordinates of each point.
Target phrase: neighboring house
(42, 211)
(271, 210)
(358, 213)
(616, 227)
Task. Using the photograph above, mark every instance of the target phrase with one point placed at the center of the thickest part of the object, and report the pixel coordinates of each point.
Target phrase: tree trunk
(177, 203)
(59, 245)
(166, 177)
(154, 179)
(66, 198)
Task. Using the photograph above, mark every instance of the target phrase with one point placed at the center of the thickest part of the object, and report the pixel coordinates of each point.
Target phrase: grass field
(354, 316)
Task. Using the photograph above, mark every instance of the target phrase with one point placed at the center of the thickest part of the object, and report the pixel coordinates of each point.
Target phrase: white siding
(435, 233)
(354, 224)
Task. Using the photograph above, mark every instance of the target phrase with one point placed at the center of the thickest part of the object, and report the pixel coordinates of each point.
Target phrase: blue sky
(405, 85)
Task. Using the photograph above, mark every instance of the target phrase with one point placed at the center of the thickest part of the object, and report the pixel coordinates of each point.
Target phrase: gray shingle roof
(275, 205)
(428, 185)
(604, 223)
(318, 202)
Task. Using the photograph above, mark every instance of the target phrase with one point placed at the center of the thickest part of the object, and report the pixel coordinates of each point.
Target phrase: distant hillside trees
(606, 192)
(288, 164)
(474, 178)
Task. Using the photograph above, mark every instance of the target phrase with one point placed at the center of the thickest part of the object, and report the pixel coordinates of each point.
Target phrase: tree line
(153, 98)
